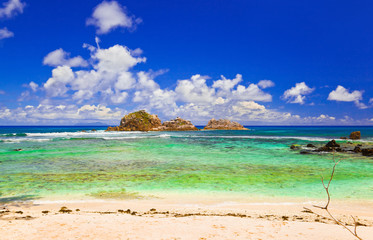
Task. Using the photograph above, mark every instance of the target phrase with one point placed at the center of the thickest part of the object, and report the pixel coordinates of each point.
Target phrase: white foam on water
(315, 139)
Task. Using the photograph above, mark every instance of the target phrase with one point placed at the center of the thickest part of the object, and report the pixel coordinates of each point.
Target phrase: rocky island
(177, 124)
(143, 121)
(223, 124)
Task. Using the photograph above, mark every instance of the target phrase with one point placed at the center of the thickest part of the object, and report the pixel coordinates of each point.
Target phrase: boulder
(367, 151)
(332, 144)
(294, 146)
(223, 124)
(177, 124)
(310, 145)
(138, 121)
(355, 135)
(357, 150)
(329, 147)
(343, 138)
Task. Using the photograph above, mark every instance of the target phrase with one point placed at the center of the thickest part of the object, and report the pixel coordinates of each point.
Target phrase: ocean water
(64, 161)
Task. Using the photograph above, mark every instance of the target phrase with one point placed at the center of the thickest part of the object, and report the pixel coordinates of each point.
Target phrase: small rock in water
(343, 138)
(355, 135)
(294, 146)
(18, 150)
(357, 149)
(310, 145)
(332, 144)
(367, 152)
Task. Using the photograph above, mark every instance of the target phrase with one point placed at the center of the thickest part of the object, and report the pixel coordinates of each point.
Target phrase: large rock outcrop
(177, 124)
(138, 121)
(223, 124)
(355, 135)
(143, 121)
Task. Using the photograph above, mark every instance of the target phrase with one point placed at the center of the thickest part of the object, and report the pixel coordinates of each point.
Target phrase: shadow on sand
(20, 198)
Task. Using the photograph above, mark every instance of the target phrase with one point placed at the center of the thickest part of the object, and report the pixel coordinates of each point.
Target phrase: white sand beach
(165, 219)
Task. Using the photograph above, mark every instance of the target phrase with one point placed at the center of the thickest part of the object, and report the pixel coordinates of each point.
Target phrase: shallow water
(64, 161)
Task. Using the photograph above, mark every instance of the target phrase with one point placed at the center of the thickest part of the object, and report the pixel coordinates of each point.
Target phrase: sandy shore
(184, 219)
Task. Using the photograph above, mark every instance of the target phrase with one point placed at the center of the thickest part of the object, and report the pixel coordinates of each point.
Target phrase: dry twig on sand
(326, 187)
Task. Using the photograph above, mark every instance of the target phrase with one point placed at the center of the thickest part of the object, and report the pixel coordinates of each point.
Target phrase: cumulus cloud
(59, 58)
(195, 90)
(11, 8)
(107, 77)
(298, 93)
(110, 15)
(266, 84)
(5, 33)
(342, 94)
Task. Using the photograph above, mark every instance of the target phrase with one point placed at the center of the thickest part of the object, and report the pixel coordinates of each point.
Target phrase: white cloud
(324, 117)
(195, 90)
(252, 92)
(109, 15)
(342, 94)
(298, 93)
(61, 114)
(247, 107)
(11, 8)
(150, 96)
(5, 33)
(33, 86)
(266, 84)
(227, 84)
(56, 86)
(108, 77)
(361, 105)
(59, 58)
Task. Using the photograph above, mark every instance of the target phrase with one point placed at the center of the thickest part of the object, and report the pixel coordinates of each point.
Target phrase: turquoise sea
(64, 161)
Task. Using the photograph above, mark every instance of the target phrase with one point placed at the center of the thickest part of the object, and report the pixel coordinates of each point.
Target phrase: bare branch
(354, 233)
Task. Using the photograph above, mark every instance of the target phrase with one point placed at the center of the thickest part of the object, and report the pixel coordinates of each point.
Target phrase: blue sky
(257, 62)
